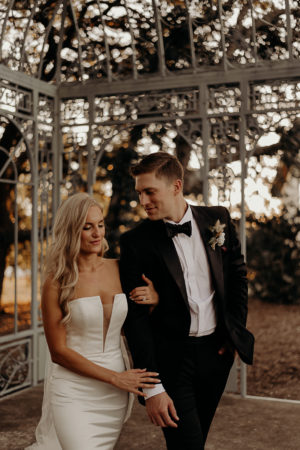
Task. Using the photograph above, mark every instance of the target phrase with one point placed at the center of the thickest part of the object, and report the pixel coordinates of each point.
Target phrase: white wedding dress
(81, 413)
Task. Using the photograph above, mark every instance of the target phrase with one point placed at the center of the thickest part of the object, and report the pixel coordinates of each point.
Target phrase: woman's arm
(55, 333)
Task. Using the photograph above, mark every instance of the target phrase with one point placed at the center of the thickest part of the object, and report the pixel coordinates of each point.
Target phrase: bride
(86, 394)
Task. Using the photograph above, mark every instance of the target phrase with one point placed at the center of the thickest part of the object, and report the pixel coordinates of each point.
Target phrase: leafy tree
(273, 255)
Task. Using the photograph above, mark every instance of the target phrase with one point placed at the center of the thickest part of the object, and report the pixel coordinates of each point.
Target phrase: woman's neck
(89, 262)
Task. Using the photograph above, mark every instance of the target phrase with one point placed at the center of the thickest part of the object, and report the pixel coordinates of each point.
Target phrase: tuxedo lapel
(204, 221)
(168, 252)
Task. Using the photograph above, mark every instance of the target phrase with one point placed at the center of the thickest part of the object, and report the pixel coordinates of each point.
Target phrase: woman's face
(93, 231)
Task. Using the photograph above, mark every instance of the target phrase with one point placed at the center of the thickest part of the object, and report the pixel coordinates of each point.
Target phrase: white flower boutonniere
(218, 237)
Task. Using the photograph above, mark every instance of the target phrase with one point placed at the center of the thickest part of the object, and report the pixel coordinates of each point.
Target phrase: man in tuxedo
(193, 257)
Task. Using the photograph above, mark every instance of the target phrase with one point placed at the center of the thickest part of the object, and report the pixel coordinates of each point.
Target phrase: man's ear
(177, 187)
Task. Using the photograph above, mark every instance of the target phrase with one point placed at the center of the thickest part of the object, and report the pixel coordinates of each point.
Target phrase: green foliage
(273, 255)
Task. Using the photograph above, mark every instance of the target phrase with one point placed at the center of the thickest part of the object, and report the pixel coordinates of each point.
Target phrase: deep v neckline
(104, 335)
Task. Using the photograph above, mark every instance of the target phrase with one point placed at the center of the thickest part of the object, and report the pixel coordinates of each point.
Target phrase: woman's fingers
(137, 392)
(145, 385)
(140, 296)
(145, 373)
(148, 281)
(150, 380)
(139, 293)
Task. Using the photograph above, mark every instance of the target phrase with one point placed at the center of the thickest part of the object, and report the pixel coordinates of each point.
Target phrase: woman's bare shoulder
(51, 285)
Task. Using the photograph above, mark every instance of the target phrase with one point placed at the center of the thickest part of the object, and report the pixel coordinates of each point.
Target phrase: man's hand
(227, 348)
(161, 410)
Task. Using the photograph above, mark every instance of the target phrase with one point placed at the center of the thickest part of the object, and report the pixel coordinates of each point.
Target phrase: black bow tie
(173, 229)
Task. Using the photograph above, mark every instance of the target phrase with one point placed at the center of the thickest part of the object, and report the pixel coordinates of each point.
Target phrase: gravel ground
(276, 368)
(239, 424)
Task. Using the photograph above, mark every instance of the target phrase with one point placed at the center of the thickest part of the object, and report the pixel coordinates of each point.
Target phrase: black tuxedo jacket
(156, 339)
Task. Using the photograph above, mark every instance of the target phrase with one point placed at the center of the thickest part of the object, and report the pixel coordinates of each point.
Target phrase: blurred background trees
(80, 42)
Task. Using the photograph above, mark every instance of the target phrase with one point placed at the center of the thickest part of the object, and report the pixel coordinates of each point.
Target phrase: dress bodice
(86, 333)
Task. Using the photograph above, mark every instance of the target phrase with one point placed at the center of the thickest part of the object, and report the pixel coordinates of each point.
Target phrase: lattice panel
(15, 366)
(147, 106)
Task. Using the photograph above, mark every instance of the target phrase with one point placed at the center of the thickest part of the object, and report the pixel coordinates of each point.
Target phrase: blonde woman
(86, 397)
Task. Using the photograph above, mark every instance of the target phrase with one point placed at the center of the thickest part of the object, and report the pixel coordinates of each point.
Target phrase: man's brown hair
(162, 164)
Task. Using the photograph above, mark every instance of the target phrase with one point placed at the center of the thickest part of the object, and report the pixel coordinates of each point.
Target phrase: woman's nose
(96, 232)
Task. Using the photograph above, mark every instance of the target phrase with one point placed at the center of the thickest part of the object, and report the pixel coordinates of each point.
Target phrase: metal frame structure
(219, 100)
(55, 41)
(30, 106)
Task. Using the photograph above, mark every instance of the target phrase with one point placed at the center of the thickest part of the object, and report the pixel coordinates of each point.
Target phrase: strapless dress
(78, 412)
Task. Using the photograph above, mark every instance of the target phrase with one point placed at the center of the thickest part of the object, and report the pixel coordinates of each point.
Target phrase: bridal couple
(179, 292)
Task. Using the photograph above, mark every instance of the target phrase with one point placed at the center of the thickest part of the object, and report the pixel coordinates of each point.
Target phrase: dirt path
(276, 369)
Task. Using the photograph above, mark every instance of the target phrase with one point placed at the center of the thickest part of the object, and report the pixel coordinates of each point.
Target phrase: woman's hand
(131, 380)
(145, 295)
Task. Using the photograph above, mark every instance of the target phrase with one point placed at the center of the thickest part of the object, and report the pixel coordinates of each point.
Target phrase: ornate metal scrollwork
(15, 363)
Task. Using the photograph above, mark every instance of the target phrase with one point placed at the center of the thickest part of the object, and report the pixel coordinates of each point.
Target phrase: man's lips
(149, 209)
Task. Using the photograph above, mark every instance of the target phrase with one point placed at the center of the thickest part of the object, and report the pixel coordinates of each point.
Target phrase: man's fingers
(168, 421)
(173, 411)
(153, 420)
(162, 419)
(159, 420)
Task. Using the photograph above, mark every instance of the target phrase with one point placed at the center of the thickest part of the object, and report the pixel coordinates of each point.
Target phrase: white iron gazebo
(77, 74)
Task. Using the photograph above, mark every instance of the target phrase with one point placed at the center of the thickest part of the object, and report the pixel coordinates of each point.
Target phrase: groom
(193, 257)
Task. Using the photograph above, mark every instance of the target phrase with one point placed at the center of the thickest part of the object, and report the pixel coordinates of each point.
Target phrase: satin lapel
(167, 249)
(204, 221)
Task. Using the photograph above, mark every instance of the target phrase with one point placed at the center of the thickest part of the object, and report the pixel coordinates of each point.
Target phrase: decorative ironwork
(275, 95)
(15, 366)
(225, 139)
(14, 99)
(223, 179)
(72, 40)
(147, 106)
(45, 130)
(26, 172)
(224, 99)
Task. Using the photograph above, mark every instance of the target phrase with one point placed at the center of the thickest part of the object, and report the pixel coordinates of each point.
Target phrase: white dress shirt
(195, 267)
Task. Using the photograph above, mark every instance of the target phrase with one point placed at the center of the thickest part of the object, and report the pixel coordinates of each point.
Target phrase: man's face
(157, 195)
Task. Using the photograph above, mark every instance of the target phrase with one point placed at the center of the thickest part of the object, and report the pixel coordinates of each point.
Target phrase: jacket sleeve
(237, 286)
(137, 326)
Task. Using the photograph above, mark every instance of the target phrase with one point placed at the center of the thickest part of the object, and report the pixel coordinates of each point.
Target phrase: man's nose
(143, 199)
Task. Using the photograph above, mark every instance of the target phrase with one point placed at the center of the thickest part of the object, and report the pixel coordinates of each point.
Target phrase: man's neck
(179, 212)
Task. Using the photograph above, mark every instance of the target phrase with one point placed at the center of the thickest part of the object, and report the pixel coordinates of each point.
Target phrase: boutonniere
(218, 237)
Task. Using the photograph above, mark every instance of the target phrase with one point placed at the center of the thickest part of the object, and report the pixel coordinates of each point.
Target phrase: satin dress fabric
(78, 412)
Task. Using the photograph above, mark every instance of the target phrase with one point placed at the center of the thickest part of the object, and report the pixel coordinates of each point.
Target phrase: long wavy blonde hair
(62, 256)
